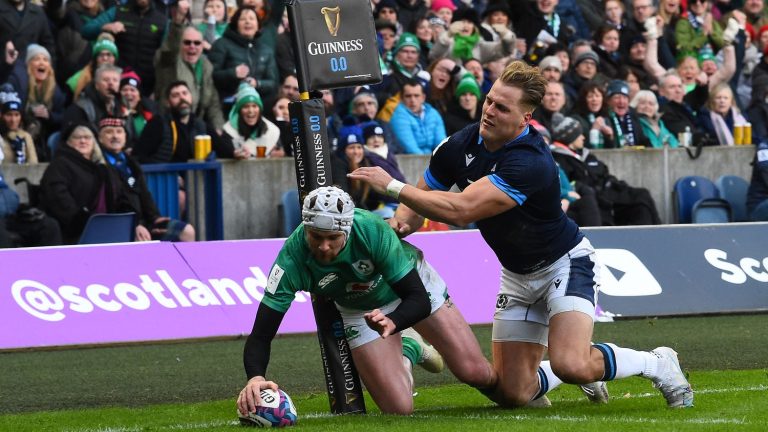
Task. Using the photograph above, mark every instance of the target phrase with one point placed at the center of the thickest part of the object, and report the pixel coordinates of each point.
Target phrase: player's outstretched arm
(249, 396)
(406, 221)
(480, 200)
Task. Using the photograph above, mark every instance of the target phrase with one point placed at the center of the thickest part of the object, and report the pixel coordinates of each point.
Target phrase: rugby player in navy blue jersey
(550, 275)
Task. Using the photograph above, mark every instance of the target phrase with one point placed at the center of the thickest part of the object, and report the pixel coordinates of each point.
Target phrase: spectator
(215, 22)
(18, 145)
(678, 110)
(138, 27)
(757, 14)
(73, 52)
(475, 67)
(280, 116)
(552, 102)
(646, 106)
(408, 11)
(619, 203)
(577, 199)
(639, 13)
(284, 56)
(247, 129)
(445, 74)
(584, 69)
(24, 23)
(364, 104)
(625, 124)
(466, 107)
(530, 19)
(378, 154)
(699, 30)
(99, 99)
(170, 137)
(635, 65)
(497, 13)
(387, 34)
(42, 100)
(150, 224)
(22, 225)
(444, 10)
(757, 194)
(614, 15)
(137, 110)
(78, 184)
(752, 57)
(561, 51)
(422, 29)
(418, 126)
(758, 109)
(628, 76)
(551, 68)
(721, 115)
(104, 52)
(242, 55)
(606, 46)
(670, 12)
(387, 10)
(592, 113)
(462, 41)
(181, 58)
(404, 67)
(348, 156)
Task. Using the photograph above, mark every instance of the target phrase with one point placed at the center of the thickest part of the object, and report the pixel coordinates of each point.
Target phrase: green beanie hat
(104, 45)
(407, 39)
(467, 84)
(245, 94)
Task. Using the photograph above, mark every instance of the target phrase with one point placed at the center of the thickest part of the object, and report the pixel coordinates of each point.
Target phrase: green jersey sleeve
(286, 276)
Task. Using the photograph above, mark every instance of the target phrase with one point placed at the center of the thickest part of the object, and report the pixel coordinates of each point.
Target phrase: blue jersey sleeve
(522, 174)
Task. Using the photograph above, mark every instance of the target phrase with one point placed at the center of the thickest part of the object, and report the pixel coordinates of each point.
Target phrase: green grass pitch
(192, 386)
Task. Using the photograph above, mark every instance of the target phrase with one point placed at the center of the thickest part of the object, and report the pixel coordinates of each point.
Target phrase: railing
(205, 211)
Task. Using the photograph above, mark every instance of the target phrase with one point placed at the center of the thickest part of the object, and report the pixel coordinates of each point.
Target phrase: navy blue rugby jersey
(536, 232)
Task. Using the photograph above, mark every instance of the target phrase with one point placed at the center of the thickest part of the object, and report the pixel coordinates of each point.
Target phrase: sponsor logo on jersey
(623, 274)
(274, 278)
(493, 168)
(469, 158)
(358, 287)
(330, 277)
(364, 267)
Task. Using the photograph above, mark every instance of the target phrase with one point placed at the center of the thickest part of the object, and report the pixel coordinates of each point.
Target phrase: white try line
(428, 416)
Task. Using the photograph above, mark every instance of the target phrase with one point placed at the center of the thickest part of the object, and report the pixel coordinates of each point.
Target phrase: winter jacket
(232, 50)
(26, 28)
(418, 134)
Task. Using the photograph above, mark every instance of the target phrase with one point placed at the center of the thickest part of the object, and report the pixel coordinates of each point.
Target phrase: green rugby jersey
(359, 278)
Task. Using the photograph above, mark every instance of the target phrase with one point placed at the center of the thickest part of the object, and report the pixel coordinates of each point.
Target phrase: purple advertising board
(160, 291)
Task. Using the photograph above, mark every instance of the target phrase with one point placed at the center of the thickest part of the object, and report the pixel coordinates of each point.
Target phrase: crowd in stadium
(621, 73)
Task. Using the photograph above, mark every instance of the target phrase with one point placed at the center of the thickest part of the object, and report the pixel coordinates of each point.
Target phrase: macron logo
(624, 275)
(470, 158)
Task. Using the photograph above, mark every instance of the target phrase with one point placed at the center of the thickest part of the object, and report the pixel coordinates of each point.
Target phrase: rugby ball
(276, 410)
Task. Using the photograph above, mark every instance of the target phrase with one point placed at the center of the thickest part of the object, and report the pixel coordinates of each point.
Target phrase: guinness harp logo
(332, 20)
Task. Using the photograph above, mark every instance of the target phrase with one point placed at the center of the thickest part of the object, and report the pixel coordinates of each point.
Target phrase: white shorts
(526, 302)
(357, 331)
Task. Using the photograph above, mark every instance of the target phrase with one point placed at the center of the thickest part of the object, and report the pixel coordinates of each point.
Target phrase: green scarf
(463, 45)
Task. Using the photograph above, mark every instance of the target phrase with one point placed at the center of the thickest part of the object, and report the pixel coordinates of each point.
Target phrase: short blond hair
(528, 79)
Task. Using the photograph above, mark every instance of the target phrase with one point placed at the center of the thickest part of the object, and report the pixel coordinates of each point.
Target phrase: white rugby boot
(430, 360)
(542, 402)
(670, 379)
(596, 392)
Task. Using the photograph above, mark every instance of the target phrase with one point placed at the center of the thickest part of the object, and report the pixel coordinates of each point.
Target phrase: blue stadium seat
(687, 191)
(711, 210)
(289, 212)
(734, 190)
(109, 228)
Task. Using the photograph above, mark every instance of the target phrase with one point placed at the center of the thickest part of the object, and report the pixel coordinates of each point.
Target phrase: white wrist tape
(394, 187)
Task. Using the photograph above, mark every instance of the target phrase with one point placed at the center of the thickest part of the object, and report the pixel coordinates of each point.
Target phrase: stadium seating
(109, 228)
(288, 213)
(734, 190)
(687, 192)
(711, 210)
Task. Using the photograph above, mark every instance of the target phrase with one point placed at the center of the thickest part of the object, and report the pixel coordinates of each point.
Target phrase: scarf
(463, 45)
(724, 126)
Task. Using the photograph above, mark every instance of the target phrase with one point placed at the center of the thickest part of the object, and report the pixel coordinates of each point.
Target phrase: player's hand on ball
(380, 322)
(249, 397)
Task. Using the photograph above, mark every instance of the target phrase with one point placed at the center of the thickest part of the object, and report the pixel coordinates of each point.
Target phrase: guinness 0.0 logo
(332, 20)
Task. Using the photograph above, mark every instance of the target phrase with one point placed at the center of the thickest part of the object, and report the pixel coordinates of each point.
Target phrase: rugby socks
(625, 362)
(547, 379)
(411, 350)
